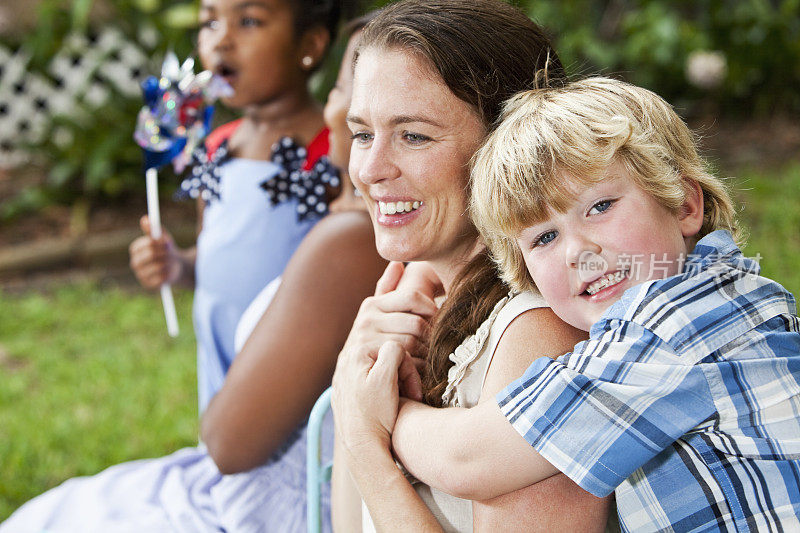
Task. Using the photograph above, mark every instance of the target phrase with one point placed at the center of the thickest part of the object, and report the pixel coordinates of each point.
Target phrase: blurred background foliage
(708, 57)
(750, 48)
(86, 153)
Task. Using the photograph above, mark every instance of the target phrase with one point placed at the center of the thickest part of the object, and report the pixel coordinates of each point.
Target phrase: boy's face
(614, 236)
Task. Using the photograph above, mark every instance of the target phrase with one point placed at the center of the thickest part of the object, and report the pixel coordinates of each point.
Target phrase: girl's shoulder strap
(318, 147)
(220, 135)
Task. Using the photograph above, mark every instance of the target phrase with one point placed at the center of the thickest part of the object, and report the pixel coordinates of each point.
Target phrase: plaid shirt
(685, 401)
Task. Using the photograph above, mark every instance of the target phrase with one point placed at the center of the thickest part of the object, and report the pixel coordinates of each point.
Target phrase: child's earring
(308, 61)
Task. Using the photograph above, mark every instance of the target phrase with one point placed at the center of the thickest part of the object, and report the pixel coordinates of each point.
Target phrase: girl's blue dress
(245, 243)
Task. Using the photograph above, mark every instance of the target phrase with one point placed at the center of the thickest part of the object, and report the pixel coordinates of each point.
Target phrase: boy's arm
(556, 503)
(450, 455)
(597, 414)
(470, 453)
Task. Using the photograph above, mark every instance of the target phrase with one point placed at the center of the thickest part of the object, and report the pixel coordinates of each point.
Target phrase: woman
(250, 474)
(429, 81)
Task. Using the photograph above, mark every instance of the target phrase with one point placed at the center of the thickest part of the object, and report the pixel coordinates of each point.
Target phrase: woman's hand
(400, 310)
(366, 394)
(365, 403)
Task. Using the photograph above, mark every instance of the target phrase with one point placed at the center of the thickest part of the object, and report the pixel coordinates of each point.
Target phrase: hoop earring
(308, 61)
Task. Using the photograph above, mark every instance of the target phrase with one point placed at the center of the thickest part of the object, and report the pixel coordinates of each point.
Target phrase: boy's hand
(154, 261)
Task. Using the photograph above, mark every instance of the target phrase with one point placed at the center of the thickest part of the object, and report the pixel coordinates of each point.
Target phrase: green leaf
(181, 16)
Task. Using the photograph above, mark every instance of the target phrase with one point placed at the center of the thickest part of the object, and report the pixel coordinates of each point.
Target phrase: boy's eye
(544, 238)
(600, 207)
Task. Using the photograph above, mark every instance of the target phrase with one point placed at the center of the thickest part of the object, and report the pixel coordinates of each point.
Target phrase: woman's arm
(415, 282)
(345, 499)
(557, 503)
(290, 356)
(363, 431)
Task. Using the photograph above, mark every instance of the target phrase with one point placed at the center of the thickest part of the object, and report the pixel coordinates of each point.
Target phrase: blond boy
(685, 401)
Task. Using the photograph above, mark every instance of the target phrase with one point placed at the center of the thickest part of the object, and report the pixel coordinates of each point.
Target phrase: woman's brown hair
(485, 51)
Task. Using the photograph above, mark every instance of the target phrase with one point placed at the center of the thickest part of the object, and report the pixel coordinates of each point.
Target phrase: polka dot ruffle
(309, 187)
(204, 177)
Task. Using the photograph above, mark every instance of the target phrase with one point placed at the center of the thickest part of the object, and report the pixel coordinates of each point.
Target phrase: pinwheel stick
(154, 213)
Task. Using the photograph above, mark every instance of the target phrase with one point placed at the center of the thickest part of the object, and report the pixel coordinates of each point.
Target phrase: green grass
(89, 379)
(770, 212)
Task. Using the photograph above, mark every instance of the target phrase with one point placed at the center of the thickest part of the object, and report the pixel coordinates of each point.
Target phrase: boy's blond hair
(577, 131)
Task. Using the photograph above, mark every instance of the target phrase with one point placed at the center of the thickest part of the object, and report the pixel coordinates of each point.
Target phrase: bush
(654, 43)
(71, 94)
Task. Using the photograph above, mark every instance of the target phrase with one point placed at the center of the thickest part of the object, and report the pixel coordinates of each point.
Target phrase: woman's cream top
(464, 384)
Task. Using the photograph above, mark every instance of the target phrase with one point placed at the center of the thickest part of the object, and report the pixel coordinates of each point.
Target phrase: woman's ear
(313, 46)
(692, 210)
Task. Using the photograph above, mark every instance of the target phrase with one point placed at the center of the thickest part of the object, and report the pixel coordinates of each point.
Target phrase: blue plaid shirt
(685, 401)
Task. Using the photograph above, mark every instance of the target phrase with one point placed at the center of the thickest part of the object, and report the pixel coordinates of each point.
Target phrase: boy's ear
(314, 43)
(692, 211)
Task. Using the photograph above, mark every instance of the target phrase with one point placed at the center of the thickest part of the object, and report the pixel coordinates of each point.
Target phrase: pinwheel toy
(174, 121)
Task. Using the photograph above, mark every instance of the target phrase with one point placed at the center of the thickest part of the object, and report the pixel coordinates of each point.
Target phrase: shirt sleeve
(603, 411)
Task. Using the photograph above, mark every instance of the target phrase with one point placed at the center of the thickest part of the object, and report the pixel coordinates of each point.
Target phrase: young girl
(684, 400)
(266, 50)
(254, 427)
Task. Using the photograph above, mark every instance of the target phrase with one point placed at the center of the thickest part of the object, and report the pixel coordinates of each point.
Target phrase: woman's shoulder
(533, 332)
(520, 303)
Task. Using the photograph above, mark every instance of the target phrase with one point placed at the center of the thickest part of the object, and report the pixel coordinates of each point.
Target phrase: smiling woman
(429, 82)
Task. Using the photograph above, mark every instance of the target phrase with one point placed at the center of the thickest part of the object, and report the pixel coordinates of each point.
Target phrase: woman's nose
(375, 163)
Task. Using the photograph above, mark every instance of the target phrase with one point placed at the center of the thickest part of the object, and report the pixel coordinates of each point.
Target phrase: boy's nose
(578, 248)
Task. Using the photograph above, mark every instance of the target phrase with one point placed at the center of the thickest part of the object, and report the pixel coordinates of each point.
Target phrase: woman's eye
(544, 238)
(600, 207)
(211, 24)
(415, 138)
(361, 137)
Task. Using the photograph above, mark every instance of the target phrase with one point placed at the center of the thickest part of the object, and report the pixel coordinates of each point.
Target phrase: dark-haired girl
(249, 475)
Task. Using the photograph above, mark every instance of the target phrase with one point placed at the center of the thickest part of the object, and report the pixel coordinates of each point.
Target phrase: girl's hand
(154, 261)
(400, 311)
(366, 394)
